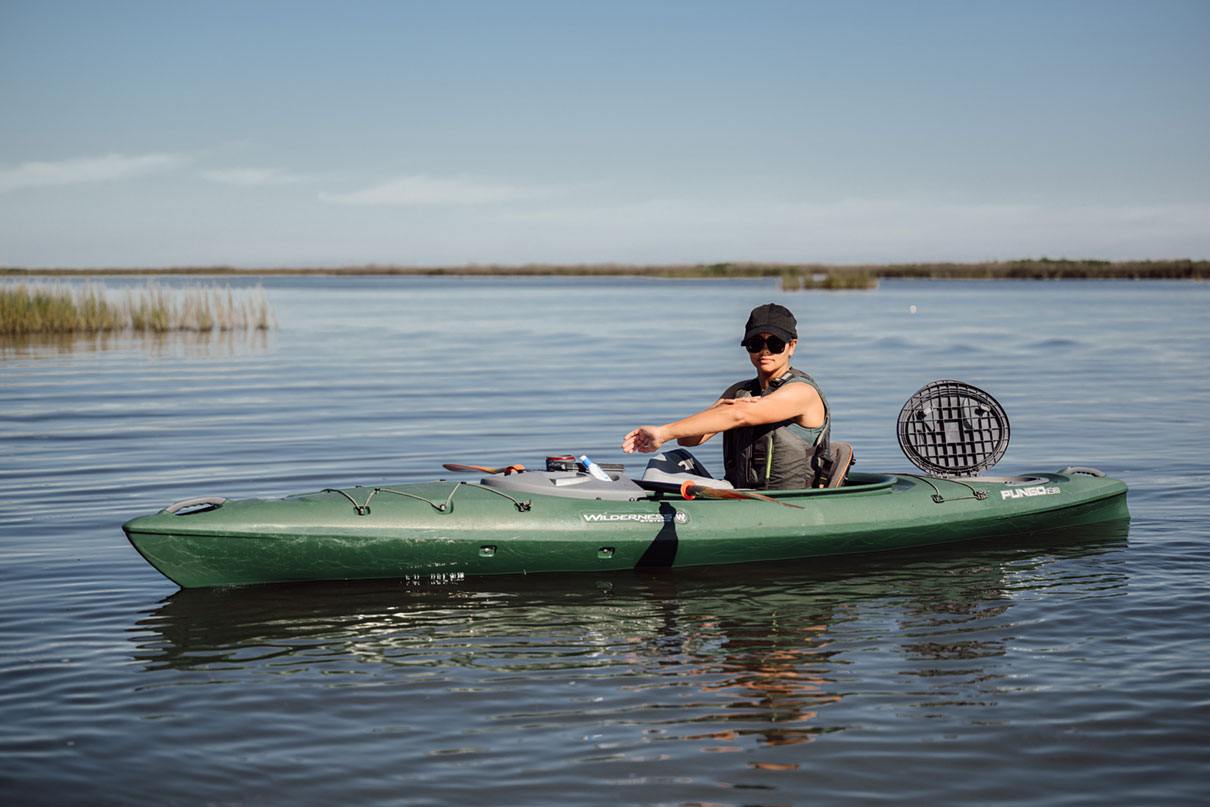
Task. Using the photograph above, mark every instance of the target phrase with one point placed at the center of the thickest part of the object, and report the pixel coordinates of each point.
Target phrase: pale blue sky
(420, 133)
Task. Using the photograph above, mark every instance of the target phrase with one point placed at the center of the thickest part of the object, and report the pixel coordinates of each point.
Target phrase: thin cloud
(426, 190)
(79, 170)
(253, 177)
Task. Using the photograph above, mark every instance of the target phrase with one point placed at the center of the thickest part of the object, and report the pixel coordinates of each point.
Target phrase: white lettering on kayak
(1018, 493)
(641, 518)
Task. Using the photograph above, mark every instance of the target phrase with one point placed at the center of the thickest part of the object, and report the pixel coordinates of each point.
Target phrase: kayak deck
(447, 528)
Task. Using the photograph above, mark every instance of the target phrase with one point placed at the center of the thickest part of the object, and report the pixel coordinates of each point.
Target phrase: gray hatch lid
(953, 429)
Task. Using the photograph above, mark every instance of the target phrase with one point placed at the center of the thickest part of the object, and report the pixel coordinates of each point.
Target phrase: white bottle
(594, 469)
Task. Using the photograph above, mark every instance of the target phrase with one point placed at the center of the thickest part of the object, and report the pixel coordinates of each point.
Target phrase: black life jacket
(776, 456)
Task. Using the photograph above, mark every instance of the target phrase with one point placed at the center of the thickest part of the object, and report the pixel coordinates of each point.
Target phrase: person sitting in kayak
(775, 427)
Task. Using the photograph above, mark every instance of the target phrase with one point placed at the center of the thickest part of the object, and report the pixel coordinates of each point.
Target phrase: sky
(429, 133)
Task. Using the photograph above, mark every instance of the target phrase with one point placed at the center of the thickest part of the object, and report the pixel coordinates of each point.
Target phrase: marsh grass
(50, 308)
(799, 278)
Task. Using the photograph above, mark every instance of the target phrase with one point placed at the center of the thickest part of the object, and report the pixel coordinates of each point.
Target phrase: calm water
(1060, 670)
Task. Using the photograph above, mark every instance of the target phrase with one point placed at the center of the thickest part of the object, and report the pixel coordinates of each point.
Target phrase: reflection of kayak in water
(759, 652)
(739, 656)
(706, 607)
(570, 520)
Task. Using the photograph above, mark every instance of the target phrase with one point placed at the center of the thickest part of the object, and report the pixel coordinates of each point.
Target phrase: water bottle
(594, 469)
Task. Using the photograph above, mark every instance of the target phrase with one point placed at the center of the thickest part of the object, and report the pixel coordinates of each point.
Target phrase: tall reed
(32, 308)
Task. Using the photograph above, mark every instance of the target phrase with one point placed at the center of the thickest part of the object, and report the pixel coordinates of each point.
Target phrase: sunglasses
(755, 344)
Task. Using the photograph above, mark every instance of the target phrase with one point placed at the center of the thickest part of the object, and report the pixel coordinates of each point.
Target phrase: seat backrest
(840, 457)
(677, 466)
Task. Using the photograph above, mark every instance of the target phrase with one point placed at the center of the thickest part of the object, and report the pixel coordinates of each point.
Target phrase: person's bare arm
(799, 402)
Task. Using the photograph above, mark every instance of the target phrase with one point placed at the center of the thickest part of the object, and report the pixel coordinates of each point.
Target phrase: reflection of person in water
(770, 670)
(779, 686)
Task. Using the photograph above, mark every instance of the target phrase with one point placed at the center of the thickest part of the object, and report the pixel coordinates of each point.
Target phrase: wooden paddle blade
(692, 491)
(508, 469)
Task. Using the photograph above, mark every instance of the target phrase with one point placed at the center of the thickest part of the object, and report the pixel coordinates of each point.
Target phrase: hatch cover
(953, 429)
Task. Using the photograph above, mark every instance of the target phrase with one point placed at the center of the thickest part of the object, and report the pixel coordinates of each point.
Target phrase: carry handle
(1081, 469)
(212, 501)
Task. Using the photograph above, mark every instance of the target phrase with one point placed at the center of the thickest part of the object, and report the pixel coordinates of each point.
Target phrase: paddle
(689, 490)
(692, 491)
(508, 469)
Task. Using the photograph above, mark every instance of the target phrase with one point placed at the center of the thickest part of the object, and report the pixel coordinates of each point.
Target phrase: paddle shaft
(689, 490)
(453, 466)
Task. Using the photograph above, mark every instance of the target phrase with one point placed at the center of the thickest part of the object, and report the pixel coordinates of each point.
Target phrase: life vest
(775, 456)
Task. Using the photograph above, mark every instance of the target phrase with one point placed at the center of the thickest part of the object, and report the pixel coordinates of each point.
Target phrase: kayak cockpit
(665, 474)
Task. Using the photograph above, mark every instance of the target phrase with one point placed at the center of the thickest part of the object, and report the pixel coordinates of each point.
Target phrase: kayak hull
(455, 529)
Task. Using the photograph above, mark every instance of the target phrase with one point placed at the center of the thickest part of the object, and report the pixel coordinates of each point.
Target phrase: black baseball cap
(773, 319)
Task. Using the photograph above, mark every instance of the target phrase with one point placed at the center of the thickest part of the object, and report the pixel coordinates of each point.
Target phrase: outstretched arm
(799, 402)
(698, 439)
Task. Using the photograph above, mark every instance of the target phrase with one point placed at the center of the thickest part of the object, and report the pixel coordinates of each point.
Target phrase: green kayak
(452, 529)
(577, 517)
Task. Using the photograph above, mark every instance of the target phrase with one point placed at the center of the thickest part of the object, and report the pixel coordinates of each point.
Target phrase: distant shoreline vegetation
(44, 307)
(793, 276)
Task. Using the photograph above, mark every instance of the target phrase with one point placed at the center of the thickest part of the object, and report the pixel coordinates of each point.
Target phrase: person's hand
(644, 439)
(735, 401)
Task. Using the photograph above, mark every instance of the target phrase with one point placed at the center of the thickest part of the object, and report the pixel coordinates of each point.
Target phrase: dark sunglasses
(755, 344)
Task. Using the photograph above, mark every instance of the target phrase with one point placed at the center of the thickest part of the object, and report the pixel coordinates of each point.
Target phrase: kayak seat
(677, 466)
(836, 466)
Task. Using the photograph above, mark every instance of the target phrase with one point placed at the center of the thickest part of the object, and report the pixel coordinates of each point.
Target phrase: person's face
(764, 359)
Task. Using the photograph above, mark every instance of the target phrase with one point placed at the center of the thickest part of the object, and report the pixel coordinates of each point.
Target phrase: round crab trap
(952, 429)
